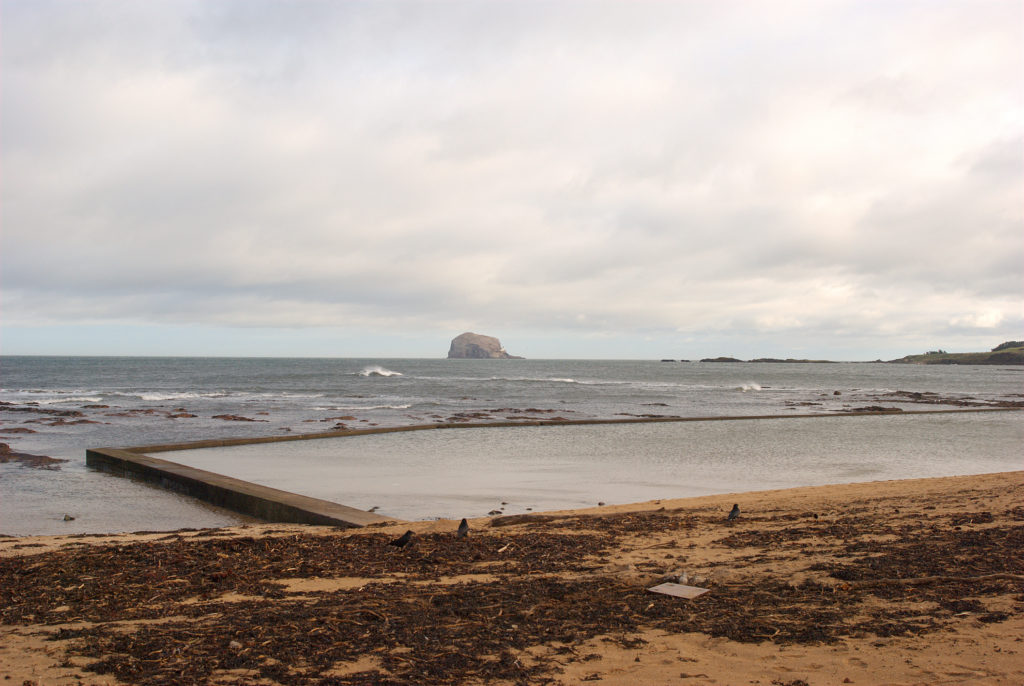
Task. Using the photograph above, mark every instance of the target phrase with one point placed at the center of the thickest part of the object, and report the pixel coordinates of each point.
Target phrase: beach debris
(494, 512)
(374, 508)
(735, 512)
(676, 576)
(680, 576)
(600, 503)
(68, 518)
(678, 590)
(508, 520)
(463, 529)
(402, 540)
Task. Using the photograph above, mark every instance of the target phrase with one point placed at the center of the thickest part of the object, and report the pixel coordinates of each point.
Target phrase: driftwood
(509, 520)
(923, 580)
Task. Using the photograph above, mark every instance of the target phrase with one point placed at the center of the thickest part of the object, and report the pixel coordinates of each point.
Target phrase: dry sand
(899, 582)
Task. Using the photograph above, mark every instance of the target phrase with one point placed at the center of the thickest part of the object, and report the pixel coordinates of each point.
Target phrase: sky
(581, 179)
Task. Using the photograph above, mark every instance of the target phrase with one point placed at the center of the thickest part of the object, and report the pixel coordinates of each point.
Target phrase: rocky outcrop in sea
(478, 346)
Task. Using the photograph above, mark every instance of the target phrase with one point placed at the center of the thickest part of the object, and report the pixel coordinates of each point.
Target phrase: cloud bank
(824, 176)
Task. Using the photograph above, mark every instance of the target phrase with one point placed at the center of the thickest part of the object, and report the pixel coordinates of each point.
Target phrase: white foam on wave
(534, 379)
(281, 395)
(334, 408)
(377, 370)
(185, 395)
(51, 391)
(163, 396)
(750, 386)
(42, 391)
(72, 399)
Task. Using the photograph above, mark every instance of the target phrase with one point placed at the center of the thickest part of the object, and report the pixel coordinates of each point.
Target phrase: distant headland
(1008, 353)
(477, 346)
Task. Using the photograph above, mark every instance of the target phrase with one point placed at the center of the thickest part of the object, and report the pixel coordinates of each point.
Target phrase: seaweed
(533, 595)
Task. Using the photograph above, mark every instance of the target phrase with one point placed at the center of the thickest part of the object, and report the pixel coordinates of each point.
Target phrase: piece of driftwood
(922, 580)
(508, 520)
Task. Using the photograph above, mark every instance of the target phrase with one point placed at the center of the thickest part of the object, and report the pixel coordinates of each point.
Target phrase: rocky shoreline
(13, 429)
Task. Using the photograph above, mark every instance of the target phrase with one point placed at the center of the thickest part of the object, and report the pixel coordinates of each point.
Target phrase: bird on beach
(463, 529)
(734, 513)
(402, 540)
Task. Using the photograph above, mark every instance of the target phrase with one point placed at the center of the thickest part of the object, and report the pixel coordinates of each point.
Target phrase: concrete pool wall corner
(262, 502)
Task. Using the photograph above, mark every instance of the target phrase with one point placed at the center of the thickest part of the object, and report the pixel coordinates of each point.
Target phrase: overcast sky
(839, 180)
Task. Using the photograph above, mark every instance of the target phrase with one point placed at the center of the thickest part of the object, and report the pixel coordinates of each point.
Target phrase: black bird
(463, 529)
(402, 540)
(735, 512)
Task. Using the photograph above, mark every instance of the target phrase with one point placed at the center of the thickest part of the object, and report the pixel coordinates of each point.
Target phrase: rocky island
(477, 346)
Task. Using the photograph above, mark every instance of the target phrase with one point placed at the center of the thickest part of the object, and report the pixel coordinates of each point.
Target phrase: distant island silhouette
(1008, 353)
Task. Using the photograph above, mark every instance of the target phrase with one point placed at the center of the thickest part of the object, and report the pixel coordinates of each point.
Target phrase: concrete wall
(265, 503)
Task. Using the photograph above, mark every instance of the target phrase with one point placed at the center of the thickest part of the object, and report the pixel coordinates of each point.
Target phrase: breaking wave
(72, 399)
(377, 370)
(751, 386)
(187, 395)
(334, 408)
(545, 379)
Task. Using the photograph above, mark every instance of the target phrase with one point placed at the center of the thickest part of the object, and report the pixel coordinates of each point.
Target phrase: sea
(61, 406)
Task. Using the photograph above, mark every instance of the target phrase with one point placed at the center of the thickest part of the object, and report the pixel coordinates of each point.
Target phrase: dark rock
(36, 461)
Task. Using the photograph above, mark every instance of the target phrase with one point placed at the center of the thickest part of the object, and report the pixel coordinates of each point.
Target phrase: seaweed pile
(511, 603)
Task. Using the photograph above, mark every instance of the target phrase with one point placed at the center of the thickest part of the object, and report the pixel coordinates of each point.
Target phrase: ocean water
(74, 403)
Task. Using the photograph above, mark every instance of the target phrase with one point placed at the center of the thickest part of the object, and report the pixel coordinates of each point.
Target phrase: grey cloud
(593, 167)
(1001, 161)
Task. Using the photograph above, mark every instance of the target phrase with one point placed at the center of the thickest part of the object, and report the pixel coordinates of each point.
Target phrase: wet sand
(898, 582)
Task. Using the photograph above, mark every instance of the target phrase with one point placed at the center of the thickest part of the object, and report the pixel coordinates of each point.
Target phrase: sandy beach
(896, 582)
